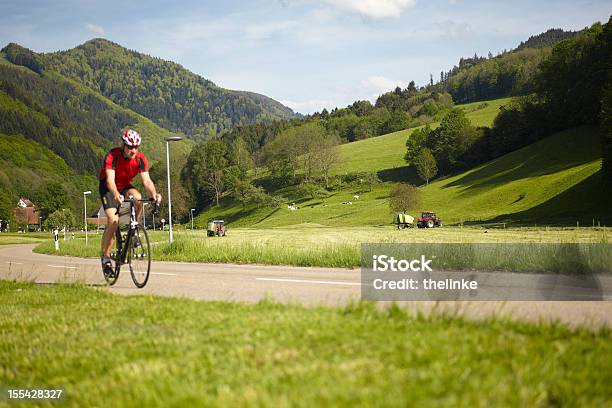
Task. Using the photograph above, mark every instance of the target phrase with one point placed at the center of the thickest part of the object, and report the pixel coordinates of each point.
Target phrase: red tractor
(428, 219)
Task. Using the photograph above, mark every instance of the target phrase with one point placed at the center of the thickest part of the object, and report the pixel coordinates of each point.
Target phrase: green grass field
(108, 350)
(387, 151)
(553, 181)
(552, 178)
(9, 239)
(313, 245)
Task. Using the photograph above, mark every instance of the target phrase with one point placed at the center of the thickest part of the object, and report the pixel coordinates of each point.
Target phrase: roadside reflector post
(56, 239)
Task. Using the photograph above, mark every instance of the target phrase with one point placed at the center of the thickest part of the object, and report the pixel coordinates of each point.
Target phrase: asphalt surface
(286, 284)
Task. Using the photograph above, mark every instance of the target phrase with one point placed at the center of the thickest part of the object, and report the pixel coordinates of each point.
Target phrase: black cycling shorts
(108, 201)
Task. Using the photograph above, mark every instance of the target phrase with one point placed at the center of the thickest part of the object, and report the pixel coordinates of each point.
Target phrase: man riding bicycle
(121, 165)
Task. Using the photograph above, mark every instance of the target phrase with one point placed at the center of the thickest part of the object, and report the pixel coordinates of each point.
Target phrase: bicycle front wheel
(139, 256)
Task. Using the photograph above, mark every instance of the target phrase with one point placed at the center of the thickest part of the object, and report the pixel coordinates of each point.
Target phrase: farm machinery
(404, 221)
(216, 228)
(428, 219)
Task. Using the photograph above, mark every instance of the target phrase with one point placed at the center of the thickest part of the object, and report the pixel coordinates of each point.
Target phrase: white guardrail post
(56, 239)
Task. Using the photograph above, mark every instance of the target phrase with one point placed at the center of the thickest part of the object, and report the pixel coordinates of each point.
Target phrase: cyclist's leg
(110, 206)
(109, 233)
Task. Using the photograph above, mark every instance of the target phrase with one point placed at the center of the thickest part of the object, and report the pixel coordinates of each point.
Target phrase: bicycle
(136, 249)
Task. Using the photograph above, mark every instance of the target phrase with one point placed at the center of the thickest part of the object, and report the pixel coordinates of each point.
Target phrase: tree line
(223, 166)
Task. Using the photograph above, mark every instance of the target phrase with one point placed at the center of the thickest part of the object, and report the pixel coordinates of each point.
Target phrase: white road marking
(310, 281)
(62, 266)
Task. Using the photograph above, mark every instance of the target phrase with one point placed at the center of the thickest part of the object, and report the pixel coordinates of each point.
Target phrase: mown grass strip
(338, 247)
(147, 351)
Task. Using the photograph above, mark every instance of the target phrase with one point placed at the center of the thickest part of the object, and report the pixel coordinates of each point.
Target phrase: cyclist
(121, 165)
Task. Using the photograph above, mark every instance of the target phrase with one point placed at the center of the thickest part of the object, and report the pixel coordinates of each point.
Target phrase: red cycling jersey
(125, 169)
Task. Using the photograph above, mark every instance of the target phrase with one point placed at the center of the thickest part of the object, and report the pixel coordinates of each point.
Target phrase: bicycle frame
(123, 250)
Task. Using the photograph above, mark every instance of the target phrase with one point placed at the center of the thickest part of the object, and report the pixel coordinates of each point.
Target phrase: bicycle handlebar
(133, 200)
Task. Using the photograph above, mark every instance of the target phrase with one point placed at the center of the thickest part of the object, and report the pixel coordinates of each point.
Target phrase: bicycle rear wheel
(139, 256)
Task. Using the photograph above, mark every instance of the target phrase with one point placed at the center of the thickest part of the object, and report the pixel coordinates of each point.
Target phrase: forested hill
(72, 121)
(509, 73)
(547, 39)
(163, 91)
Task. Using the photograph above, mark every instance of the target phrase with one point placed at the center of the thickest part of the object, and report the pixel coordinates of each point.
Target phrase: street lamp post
(168, 140)
(85, 194)
(191, 212)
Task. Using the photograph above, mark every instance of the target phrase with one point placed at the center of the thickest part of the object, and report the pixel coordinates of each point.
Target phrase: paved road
(251, 283)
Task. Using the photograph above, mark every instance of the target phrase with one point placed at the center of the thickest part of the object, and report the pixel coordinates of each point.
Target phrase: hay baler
(404, 221)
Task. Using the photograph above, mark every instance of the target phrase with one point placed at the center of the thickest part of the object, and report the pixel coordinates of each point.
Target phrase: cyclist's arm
(149, 186)
(110, 183)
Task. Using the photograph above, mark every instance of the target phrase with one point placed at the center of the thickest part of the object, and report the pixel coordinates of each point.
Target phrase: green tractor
(216, 228)
(404, 221)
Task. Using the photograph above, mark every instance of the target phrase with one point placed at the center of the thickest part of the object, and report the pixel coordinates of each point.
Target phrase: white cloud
(263, 31)
(340, 96)
(310, 106)
(95, 29)
(454, 29)
(376, 85)
(375, 9)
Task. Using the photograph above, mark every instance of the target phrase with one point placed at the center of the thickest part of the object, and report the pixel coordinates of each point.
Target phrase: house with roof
(26, 213)
(98, 217)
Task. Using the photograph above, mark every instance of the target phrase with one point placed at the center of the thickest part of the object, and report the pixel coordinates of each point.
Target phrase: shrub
(404, 197)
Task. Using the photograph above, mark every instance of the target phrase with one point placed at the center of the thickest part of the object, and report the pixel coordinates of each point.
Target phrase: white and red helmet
(131, 138)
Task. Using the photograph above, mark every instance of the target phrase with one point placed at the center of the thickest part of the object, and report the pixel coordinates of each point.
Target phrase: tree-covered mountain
(165, 92)
(74, 122)
(510, 73)
(571, 89)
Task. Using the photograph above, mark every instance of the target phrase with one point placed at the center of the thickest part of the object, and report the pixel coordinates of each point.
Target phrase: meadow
(11, 238)
(553, 181)
(387, 151)
(106, 350)
(316, 245)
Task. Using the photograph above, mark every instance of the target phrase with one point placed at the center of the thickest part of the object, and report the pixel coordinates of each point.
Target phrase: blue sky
(307, 54)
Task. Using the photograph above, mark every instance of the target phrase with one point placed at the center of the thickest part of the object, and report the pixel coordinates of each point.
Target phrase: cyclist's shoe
(136, 241)
(107, 268)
